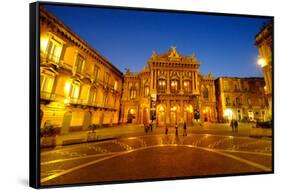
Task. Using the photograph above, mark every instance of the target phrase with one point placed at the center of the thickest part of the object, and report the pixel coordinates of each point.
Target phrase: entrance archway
(66, 122)
(160, 117)
(188, 114)
(174, 116)
(206, 114)
(131, 115)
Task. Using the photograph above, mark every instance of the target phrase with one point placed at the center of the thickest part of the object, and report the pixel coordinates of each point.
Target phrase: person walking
(236, 126)
(184, 129)
(176, 129)
(232, 125)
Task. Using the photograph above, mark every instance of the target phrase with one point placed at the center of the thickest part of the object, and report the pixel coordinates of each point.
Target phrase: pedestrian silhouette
(232, 124)
(176, 129)
(184, 129)
(236, 126)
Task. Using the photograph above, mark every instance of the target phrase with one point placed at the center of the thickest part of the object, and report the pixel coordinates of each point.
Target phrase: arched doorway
(206, 114)
(188, 114)
(87, 120)
(66, 122)
(131, 115)
(160, 117)
(174, 116)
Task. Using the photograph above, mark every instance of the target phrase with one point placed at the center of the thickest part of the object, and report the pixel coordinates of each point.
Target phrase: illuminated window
(186, 86)
(79, 64)
(161, 85)
(46, 83)
(174, 86)
(133, 93)
(53, 50)
(115, 85)
(146, 91)
(75, 89)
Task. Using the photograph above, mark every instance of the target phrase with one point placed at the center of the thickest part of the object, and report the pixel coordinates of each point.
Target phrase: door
(87, 120)
(66, 122)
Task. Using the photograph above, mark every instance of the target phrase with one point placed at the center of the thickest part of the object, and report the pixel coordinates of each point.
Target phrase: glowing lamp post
(261, 62)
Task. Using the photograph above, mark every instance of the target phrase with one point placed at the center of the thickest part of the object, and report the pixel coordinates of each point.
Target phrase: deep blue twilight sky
(223, 44)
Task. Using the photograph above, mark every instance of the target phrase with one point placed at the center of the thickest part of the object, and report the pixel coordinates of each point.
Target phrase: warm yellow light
(161, 108)
(43, 43)
(228, 112)
(67, 87)
(132, 111)
(66, 101)
(262, 62)
(174, 108)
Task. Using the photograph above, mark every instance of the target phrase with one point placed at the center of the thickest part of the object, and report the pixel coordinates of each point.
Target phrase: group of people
(148, 126)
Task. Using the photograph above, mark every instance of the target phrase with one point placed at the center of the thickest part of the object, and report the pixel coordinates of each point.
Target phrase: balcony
(49, 58)
(51, 96)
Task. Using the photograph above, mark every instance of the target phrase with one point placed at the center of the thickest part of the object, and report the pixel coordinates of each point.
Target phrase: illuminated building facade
(78, 86)
(169, 89)
(264, 44)
(241, 98)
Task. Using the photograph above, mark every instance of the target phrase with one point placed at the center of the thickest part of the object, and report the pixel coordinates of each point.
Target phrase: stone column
(195, 81)
(154, 80)
(168, 110)
(181, 84)
(151, 79)
(168, 82)
(181, 110)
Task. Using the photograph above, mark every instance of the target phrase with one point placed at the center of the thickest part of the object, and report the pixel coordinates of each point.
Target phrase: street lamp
(261, 62)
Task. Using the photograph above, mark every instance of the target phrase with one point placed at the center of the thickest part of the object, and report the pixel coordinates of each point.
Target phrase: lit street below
(154, 155)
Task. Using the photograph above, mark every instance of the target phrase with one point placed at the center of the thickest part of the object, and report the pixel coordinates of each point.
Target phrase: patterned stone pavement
(221, 152)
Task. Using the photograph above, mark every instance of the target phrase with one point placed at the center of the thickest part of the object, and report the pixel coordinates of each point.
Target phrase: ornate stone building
(264, 43)
(170, 89)
(78, 86)
(241, 98)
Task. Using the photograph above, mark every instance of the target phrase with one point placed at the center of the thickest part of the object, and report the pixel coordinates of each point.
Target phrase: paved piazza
(154, 155)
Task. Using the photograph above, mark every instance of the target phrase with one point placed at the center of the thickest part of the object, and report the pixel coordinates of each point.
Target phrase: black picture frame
(34, 92)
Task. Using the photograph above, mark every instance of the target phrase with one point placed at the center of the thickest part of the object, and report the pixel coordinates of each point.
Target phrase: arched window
(174, 86)
(161, 85)
(205, 93)
(186, 86)
(133, 93)
(146, 91)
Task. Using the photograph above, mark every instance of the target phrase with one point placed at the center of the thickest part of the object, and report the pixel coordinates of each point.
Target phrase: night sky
(223, 44)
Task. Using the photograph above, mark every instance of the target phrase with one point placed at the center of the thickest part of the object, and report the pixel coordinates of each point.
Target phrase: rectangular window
(146, 91)
(53, 50)
(106, 78)
(79, 64)
(74, 93)
(46, 83)
(186, 86)
(96, 73)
